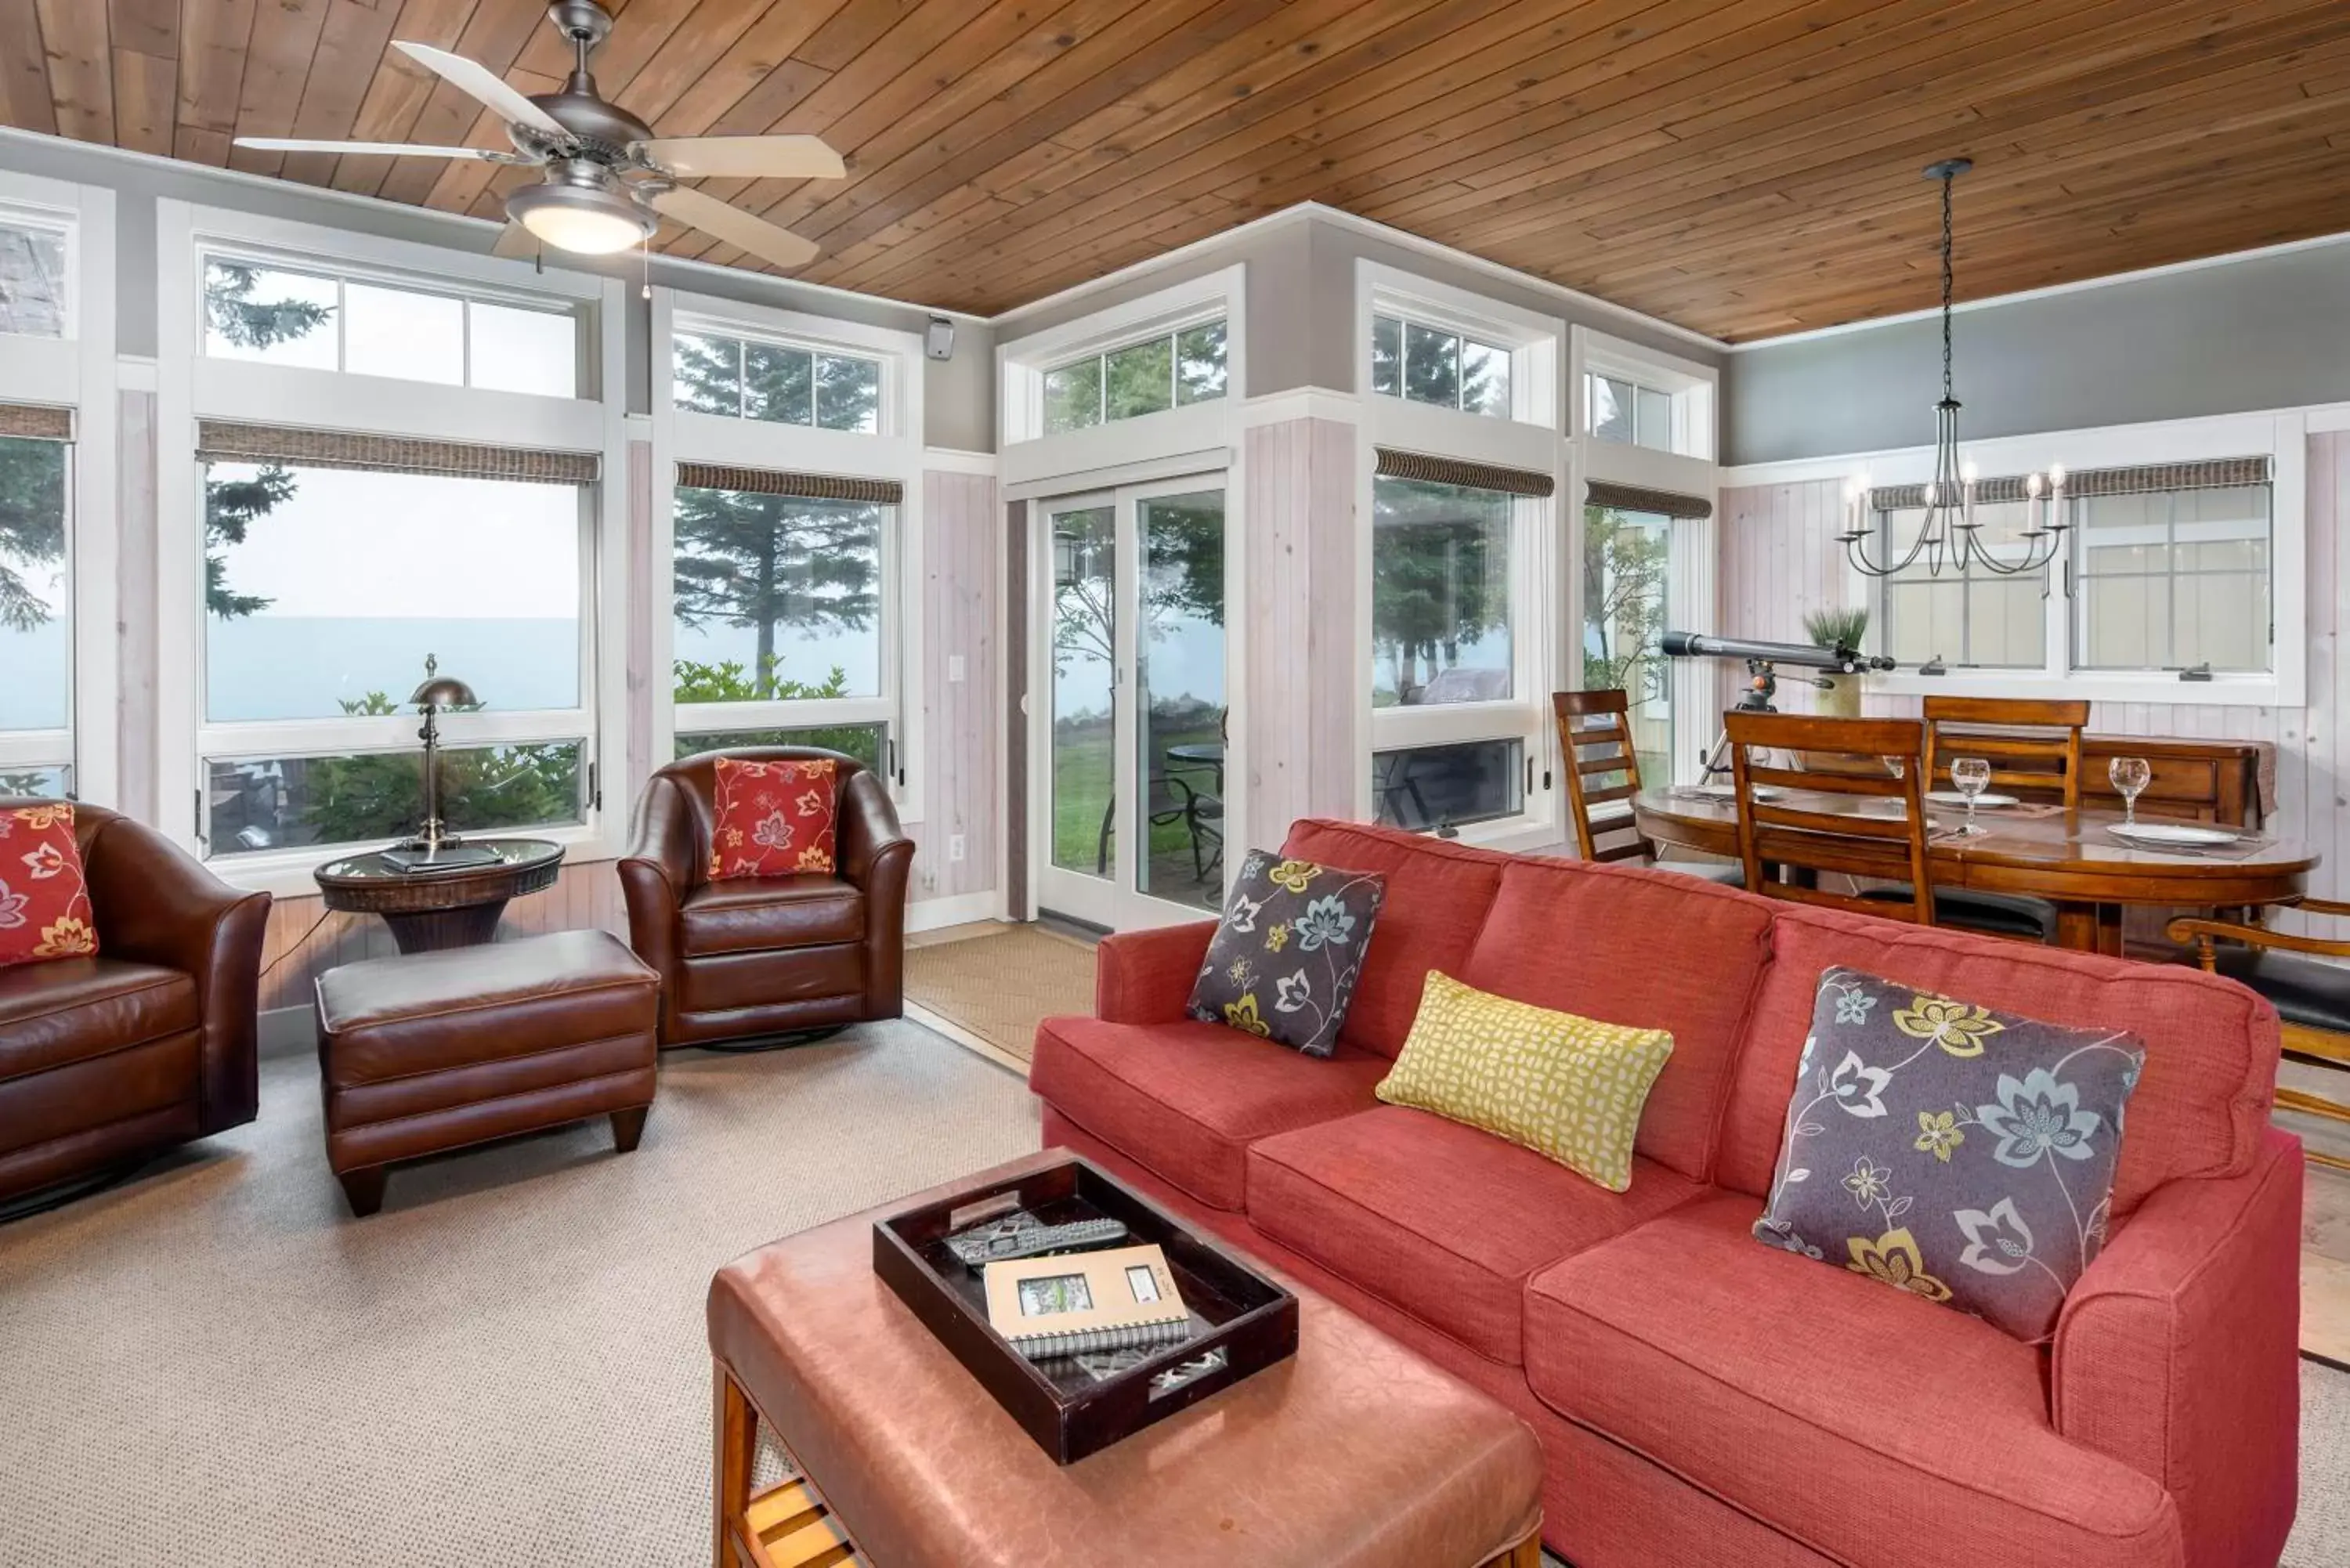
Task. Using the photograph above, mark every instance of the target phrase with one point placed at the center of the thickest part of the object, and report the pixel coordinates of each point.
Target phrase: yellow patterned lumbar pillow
(1569, 1088)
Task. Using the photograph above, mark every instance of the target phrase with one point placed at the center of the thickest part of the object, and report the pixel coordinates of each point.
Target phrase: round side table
(429, 910)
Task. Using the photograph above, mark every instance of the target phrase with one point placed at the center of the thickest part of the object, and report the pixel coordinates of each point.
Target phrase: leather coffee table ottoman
(430, 1052)
(1353, 1453)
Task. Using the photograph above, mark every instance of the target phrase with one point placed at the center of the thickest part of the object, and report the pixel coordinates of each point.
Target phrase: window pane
(517, 350)
(55, 784)
(1083, 657)
(1485, 379)
(708, 375)
(1440, 593)
(1199, 363)
(328, 588)
(777, 598)
(1437, 786)
(1073, 396)
(2175, 579)
(847, 393)
(1141, 378)
(1387, 356)
(1611, 409)
(1180, 679)
(410, 337)
(778, 384)
(1971, 618)
(863, 742)
(278, 317)
(32, 281)
(1431, 365)
(1627, 557)
(36, 600)
(1653, 417)
(281, 803)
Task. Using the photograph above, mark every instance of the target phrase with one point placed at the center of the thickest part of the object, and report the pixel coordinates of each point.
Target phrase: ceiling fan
(609, 180)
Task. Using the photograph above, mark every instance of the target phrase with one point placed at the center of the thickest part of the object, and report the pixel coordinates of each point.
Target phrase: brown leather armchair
(759, 956)
(107, 1061)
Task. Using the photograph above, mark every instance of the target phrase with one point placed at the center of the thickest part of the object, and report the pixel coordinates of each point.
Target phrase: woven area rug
(998, 985)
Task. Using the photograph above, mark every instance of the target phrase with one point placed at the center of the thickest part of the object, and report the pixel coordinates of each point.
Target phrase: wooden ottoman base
(431, 1052)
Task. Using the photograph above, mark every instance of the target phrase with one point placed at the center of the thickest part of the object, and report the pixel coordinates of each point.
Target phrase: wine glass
(1972, 774)
(2130, 776)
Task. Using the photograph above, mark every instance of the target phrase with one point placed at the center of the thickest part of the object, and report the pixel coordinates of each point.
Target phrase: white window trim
(190, 387)
(893, 452)
(2283, 437)
(1695, 390)
(1545, 609)
(78, 371)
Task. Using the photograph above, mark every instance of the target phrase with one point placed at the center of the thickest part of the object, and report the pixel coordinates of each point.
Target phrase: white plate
(1957, 797)
(2170, 833)
(1730, 792)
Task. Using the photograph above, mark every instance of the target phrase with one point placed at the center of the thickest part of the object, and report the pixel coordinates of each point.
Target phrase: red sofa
(1703, 1399)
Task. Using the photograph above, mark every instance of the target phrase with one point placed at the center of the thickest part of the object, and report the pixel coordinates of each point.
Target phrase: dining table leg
(2077, 927)
(2109, 930)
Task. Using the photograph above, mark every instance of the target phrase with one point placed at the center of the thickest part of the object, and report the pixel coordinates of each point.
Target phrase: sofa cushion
(2199, 1107)
(1873, 1427)
(1437, 897)
(1187, 1099)
(74, 1008)
(761, 914)
(1645, 948)
(1285, 958)
(1442, 1220)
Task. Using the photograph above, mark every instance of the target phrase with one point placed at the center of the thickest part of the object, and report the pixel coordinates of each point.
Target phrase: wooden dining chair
(1872, 759)
(2044, 735)
(2312, 995)
(1594, 752)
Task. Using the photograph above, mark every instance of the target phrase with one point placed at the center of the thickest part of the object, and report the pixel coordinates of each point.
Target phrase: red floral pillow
(44, 903)
(774, 819)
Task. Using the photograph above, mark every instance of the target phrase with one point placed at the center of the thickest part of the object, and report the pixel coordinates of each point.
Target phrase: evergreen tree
(32, 525)
(232, 504)
(1433, 582)
(253, 322)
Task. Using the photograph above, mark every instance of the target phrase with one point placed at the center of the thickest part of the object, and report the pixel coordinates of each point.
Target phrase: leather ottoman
(430, 1052)
(1353, 1453)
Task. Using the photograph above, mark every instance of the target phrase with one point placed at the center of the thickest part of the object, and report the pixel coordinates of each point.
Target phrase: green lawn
(1081, 788)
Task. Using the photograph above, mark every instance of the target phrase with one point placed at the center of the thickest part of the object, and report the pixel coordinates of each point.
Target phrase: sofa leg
(364, 1189)
(627, 1126)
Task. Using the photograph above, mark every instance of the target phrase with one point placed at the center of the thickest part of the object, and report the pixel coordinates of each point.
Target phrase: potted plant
(1837, 628)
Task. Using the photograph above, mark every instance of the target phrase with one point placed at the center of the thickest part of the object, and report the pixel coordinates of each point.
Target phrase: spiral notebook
(1085, 1303)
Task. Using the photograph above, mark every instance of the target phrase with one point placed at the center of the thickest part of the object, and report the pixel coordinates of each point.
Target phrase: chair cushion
(1993, 914)
(1871, 1425)
(2304, 991)
(1187, 1099)
(760, 914)
(74, 1008)
(1442, 1220)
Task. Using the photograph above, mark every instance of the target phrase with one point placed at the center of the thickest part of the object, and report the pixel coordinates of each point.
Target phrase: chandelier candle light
(1948, 537)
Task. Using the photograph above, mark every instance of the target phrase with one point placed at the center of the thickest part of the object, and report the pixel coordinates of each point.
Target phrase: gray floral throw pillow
(1960, 1154)
(1285, 960)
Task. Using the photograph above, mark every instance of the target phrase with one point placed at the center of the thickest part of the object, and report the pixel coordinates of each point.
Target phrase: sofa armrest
(156, 904)
(1145, 977)
(2177, 1352)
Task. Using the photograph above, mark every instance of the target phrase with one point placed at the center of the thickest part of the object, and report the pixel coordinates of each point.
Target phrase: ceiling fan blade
(747, 157)
(516, 243)
(478, 81)
(736, 226)
(369, 149)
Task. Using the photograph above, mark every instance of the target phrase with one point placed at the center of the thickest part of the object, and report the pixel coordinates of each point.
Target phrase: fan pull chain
(645, 255)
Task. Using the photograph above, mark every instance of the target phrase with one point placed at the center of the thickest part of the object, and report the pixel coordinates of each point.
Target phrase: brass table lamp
(430, 849)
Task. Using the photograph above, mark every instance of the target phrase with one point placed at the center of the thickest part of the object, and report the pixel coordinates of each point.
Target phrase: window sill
(2219, 691)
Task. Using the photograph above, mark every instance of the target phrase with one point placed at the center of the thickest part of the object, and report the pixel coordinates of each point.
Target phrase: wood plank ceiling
(1741, 167)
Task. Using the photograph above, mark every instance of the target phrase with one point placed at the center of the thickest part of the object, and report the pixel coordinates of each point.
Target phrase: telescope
(1843, 660)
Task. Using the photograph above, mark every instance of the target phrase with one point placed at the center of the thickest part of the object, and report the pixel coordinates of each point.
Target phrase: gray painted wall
(2263, 332)
(957, 395)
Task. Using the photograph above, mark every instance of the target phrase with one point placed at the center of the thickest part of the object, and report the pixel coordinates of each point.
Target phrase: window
(1435, 366)
(776, 598)
(33, 262)
(1626, 573)
(1172, 370)
(268, 314)
(2174, 580)
(35, 615)
(354, 797)
(1440, 593)
(1619, 409)
(779, 383)
(1443, 787)
(1973, 618)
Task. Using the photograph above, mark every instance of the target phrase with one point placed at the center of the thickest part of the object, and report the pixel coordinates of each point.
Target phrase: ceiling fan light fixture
(584, 219)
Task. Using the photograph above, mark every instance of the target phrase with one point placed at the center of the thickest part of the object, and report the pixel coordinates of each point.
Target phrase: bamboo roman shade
(806, 486)
(224, 441)
(2146, 479)
(1633, 498)
(1419, 465)
(35, 422)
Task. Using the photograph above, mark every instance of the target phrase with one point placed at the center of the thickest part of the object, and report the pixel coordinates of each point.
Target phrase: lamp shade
(443, 692)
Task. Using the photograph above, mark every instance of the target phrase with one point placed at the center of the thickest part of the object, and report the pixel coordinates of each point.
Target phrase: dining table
(2071, 858)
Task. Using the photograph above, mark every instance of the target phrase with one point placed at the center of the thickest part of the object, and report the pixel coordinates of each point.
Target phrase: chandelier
(1947, 539)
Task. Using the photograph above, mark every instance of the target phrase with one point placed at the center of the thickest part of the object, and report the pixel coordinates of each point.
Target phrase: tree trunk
(764, 675)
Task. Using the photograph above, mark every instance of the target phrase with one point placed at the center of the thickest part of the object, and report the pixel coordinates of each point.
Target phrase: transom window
(1439, 367)
(1619, 409)
(1170, 370)
(777, 383)
(270, 314)
(33, 262)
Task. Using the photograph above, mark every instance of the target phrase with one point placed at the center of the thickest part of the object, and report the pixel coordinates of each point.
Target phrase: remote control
(1023, 1235)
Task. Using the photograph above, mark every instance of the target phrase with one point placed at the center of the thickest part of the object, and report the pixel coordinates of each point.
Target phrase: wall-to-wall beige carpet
(998, 985)
(214, 1367)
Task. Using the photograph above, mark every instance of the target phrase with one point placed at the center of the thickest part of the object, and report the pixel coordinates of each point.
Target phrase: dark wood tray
(1242, 1322)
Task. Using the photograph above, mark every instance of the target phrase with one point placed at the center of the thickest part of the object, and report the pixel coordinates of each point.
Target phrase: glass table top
(513, 854)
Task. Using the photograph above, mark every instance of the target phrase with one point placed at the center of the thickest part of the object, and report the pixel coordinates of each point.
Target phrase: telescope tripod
(1761, 685)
